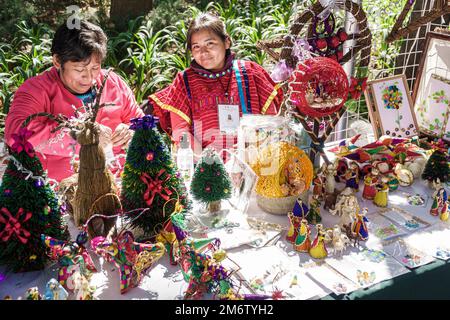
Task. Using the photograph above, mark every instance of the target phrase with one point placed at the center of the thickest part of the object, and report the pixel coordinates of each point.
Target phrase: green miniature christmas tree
(211, 182)
(436, 167)
(150, 178)
(28, 208)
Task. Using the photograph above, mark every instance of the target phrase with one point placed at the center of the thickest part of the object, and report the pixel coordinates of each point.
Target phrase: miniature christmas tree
(150, 178)
(211, 183)
(436, 167)
(28, 208)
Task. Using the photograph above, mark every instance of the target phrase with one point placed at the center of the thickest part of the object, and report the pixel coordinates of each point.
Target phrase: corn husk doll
(302, 242)
(352, 176)
(318, 249)
(440, 203)
(314, 210)
(359, 225)
(381, 198)
(299, 212)
(370, 182)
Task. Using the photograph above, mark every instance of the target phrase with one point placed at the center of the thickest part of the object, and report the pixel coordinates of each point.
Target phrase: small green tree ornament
(436, 167)
(211, 182)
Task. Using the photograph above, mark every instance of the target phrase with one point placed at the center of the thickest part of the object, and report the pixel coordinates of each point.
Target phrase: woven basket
(280, 206)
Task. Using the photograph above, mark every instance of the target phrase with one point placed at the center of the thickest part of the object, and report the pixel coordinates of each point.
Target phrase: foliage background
(150, 51)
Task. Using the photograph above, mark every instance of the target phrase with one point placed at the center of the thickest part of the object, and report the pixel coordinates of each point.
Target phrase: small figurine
(314, 210)
(302, 242)
(318, 249)
(359, 226)
(33, 294)
(300, 209)
(352, 176)
(346, 207)
(339, 241)
(381, 198)
(319, 185)
(294, 224)
(440, 201)
(370, 181)
(330, 184)
(83, 291)
(55, 291)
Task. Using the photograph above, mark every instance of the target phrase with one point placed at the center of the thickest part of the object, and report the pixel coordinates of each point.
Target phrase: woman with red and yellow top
(192, 103)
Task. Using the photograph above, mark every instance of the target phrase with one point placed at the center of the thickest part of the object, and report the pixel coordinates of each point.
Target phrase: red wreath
(322, 77)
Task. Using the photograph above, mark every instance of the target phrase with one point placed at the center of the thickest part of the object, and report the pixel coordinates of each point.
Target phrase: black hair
(79, 44)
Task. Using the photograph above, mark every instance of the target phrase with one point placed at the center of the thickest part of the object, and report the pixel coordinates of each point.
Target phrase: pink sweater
(46, 93)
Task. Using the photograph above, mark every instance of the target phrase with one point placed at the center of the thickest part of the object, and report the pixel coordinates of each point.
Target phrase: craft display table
(164, 281)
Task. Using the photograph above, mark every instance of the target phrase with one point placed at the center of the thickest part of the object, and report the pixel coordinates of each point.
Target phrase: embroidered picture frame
(390, 107)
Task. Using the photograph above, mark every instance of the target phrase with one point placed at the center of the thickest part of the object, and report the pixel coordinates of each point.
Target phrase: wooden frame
(434, 63)
(383, 116)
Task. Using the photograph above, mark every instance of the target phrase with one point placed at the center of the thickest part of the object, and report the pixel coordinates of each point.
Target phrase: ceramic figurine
(440, 201)
(370, 182)
(352, 176)
(314, 210)
(55, 291)
(359, 225)
(294, 224)
(381, 198)
(302, 242)
(318, 250)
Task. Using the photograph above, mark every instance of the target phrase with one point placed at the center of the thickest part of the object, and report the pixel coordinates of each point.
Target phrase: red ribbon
(21, 142)
(13, 226)
(155, 186)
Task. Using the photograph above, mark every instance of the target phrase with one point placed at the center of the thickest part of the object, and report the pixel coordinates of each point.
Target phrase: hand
(105, 135)
(121, 135)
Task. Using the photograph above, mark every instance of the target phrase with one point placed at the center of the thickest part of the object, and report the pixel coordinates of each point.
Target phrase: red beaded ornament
(319, 87)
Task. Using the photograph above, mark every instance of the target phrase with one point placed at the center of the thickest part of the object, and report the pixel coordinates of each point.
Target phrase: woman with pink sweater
(72, 81)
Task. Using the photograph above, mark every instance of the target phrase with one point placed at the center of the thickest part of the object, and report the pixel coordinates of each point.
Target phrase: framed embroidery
(433, 108)
(431, 89)
(390, 107)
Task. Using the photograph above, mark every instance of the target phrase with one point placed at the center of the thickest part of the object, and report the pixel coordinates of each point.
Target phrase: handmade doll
(346, 207)
(318, 250)
(319, 182)
(314, 210)
(302, 242)
(359, 225)
(33, 294)
(55, 291)
(370, 182)
(352, 176)
(294, 223)
(381, 198)
(440, 203)
(300, 209)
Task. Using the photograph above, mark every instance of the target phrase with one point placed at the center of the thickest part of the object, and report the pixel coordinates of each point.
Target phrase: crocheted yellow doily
(271, 166)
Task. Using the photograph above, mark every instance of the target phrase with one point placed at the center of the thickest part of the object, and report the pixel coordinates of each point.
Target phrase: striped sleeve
(171, 104)
(270, 93)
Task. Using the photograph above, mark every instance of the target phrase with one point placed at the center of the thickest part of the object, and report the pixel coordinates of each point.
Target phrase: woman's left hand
(121, 135)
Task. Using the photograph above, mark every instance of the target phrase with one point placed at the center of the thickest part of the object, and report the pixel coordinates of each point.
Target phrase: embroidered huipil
(191, 101)
(46, 93)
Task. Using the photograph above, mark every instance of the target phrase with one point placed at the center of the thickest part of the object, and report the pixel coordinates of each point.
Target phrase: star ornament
(132, 258)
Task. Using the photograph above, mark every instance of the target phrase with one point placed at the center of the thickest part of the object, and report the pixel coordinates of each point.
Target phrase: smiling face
(78, 77)
(209, 50)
